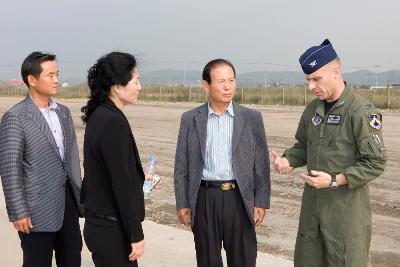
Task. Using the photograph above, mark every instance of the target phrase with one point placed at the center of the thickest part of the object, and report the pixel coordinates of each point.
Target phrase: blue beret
(317, 56)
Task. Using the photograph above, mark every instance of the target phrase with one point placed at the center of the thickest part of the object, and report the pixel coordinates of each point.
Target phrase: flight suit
(335, 225)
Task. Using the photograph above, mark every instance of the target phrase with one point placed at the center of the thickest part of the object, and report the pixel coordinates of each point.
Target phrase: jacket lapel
(201, 125)
(37, 117)
(238, 124)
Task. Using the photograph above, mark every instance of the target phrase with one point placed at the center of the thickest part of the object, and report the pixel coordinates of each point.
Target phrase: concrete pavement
(165, 246)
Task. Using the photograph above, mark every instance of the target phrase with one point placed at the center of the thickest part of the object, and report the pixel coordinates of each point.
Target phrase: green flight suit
(335, 225)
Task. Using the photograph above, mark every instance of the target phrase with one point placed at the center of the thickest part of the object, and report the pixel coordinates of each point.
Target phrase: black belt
(106, 217)
(223, 185)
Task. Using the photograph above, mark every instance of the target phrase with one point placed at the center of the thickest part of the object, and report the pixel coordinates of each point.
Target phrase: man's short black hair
(214, 63)
(31, 65)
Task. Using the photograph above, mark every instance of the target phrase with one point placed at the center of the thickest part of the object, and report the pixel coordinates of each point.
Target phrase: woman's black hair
(115, 68)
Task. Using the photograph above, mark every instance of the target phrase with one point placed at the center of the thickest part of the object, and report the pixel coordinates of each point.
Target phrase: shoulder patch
(375, 120)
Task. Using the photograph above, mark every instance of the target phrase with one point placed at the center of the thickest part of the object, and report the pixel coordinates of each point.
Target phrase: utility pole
(184, 74)
(190, 92)
(265, 79)
(242, 94)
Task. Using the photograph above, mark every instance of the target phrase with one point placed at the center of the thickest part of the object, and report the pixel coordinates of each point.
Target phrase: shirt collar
(52, 103)
(229, 109)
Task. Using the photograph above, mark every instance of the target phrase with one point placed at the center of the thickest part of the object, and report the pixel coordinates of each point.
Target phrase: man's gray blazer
(32, 172)
(249, 158)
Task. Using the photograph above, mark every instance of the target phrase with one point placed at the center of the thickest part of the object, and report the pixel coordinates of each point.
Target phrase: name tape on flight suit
(333, 119)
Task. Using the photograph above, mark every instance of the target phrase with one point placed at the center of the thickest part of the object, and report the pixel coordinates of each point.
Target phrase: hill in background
(259, 78)
(361, 78)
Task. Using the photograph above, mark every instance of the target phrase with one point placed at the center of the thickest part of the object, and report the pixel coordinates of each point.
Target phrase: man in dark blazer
(222, 176)
(40, 170)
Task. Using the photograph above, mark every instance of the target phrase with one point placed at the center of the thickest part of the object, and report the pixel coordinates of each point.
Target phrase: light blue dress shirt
(218, 158)
(53, 121)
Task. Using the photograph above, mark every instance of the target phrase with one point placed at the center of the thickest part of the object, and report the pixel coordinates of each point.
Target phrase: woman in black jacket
(112, 187)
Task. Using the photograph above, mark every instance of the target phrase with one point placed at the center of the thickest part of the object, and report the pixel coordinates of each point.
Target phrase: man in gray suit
(40, 170)
(222, 178)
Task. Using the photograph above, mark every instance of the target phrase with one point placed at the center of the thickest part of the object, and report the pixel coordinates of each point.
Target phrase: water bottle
(150, 172)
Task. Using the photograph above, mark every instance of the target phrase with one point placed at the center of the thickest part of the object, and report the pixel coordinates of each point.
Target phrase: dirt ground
(155, 127)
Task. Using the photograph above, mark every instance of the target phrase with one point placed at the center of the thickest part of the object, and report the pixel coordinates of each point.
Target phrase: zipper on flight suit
(321, 135)
(321, 131)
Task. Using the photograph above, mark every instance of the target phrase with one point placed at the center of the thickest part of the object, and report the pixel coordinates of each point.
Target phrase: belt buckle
(227, 186)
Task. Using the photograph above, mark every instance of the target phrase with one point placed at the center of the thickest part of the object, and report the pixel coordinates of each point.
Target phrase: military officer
(339, 138)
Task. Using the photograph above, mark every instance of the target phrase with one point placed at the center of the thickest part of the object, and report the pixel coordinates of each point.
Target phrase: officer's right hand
(281, 164)
(23, 225)
(185, 216)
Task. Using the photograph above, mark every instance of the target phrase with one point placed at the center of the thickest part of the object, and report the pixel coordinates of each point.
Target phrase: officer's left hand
(317, 179)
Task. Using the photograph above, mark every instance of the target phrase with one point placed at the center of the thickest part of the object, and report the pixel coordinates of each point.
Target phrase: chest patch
(317, 119)
(334, 119)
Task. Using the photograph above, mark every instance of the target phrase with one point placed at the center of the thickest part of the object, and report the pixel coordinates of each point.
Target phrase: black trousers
(221, 220)
(107, 242)
(38, 247)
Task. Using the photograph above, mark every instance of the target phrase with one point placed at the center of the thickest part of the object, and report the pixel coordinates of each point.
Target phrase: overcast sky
(254, 35)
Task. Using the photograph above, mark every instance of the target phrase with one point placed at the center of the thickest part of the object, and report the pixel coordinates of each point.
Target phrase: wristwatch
(334, 184)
